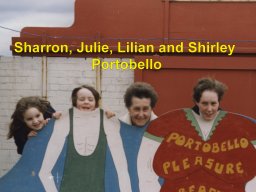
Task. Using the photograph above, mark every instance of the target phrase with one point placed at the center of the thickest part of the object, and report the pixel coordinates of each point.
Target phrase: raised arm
(148, 180)
(112, 128)
(52, 153)
(251, 185)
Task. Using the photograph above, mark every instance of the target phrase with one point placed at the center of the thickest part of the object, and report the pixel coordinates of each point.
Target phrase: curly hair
(140, 90)
(22, 106)
(211, 85)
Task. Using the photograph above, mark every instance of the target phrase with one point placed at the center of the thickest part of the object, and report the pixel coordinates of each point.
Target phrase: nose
(86, 101)
(209, 108)
(35, 121)
(141, 113)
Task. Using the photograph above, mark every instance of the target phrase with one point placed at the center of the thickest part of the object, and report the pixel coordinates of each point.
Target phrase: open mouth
(37, 126)
(85, 108)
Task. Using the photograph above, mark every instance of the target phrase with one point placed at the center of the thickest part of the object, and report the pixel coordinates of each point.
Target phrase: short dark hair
(210, 84)
(140, 90)
(90, 88)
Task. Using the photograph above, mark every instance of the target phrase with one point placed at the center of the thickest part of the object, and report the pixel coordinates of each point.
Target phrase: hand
(110, 114)
(46, 121)
(56, 115)
(32, 134)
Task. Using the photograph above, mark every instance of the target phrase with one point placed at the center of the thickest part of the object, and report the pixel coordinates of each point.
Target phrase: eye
(81, 99)
(145, 108)
(204, 103)
(29, 119)
(91, 99)
(136, 109)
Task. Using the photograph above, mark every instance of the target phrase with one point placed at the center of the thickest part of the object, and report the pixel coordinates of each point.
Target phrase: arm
(251, 185)
(112, 127)
(52, 153)
(148, 180)
(109, 114)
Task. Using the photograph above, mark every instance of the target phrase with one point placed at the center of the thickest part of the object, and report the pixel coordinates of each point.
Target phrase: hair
(209, 84)
(90, 88)
(140, 90)
(22, 106)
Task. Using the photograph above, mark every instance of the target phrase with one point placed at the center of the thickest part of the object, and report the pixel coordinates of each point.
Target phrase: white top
(127, 119)
(205, 126)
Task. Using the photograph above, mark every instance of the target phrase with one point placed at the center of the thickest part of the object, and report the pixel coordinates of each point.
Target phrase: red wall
(174, 82)
(167, 22)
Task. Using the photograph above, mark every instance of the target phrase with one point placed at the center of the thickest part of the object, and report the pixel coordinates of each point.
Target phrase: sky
(16, 14)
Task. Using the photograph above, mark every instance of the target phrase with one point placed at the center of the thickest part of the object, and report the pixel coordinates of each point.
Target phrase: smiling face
(85, 100)
(140, 111)
(208, 105)
(34, 118)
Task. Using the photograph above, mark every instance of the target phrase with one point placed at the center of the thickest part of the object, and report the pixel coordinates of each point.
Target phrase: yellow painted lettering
(230, 168)
(181, 140)
(206, 147)
(223, 146)
(219, 168)
(189, 143)
(201, 188)
(198, 160)
(172, 136)
(209, 163)
(230, 146)
(175, 167)
(244, 143)
(236, 144)
(212, 190)
(166, 166)
(186, 164)
(191, 188)
(198, 144)
(239, 168)
(215, 148)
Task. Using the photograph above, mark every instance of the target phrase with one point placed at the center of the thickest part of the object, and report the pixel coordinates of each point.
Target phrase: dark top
(21, 135)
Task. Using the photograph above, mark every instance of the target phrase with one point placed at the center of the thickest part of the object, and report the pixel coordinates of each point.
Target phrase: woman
(199, 149)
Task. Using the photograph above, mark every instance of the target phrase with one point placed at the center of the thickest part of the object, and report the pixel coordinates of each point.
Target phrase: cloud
(37, 6)
(33, 13)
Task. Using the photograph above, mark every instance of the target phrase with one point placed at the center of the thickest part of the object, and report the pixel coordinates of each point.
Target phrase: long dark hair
(17, 118)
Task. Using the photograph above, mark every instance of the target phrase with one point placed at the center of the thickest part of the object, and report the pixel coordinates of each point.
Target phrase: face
(34, 118)
(208, 105)
(85, 100)
(140, 111)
